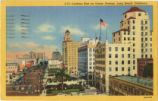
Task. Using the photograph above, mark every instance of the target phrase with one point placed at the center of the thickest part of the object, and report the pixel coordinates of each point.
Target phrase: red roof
(134, 9)
(67, 31)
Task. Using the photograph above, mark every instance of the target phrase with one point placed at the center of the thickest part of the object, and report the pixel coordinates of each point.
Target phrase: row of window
(122, 56)
(146, 44)
(122, 62)
(116, 48)
(146, 56)
(146, 33)
(145, 39)
(122, 69)
(146, 50)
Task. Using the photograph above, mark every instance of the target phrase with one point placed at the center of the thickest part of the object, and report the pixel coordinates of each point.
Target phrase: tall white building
(86, 59)
(132, 41)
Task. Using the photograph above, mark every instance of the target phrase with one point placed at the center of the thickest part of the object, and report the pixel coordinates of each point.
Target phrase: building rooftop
(140, 81)
(134, 9)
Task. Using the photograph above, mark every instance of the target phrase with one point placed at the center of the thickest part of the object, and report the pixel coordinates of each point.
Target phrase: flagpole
(100, 33)
(106, 31)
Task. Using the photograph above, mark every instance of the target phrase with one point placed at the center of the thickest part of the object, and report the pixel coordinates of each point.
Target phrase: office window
(133, 56)
(142, 50)
(119, 39)
(150, 49)
(128, 22)
(150, 56)
(128, 32)
(146, 56)
(134, 44)
(142, 45)
(116, 48)
(133, 27)
(128, 68)
(124, 38)
(133, 38)
(141, 39)
(133, 67)
(146, 22)
(151, 45)
(110, 49)
(146, 44)
(141, 27)
(150, 39)
(122, 55)
(116, 55)
(133, 33)
(122, 49)
(90, 49)
(124, 33)
(128, 55)
(128, 61)
(133, 21)
(128, 27)
(122, 62)
(142, 33)
(128, 48)
(146, 50)
(110, 62)
(110, 69)
(128, 38)
(141, 21)
(109, 55)
(133, 61)
(142, 56)
(122, 68)
(116, 62)
(146, 33)
(133, 50)
(116, 68)
(146, 27)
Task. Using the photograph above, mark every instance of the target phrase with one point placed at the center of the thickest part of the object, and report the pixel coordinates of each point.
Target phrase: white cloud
(48, 38)
(97, 27)
(45, 28)
(73, 30)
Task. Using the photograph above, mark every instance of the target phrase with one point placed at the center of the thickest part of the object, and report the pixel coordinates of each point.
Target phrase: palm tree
(61, 76)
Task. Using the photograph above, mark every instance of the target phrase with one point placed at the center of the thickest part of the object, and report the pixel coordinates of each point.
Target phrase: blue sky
(47, 25)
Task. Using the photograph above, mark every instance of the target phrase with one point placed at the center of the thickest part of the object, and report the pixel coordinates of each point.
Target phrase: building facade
(86, 59)
(56, 56)
(37, 55)
(12, 67)
(54, 64)
(128, 85)
(132, 41)
(141, 64)
(70, 54)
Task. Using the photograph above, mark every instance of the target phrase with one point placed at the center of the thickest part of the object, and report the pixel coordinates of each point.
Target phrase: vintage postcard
(84, 50)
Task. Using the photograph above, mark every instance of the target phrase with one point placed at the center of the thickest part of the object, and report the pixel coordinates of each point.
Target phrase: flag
(102, 23)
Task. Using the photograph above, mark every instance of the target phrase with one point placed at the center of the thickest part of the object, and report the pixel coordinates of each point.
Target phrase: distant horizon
(47, 25)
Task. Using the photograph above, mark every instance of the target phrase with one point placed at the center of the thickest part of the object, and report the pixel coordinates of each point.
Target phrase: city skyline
(47, 32)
